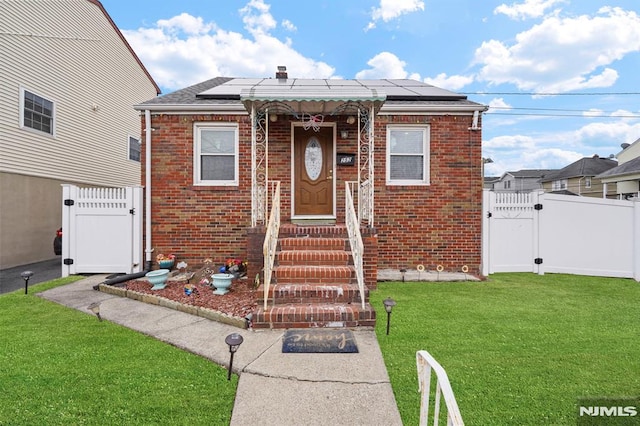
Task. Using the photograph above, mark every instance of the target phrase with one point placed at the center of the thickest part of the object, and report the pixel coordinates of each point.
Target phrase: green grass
(519, 349)
(59, 366)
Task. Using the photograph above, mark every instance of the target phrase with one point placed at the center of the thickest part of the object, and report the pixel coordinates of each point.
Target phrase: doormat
(319, 341)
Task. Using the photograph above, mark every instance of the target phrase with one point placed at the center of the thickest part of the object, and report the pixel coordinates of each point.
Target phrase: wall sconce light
(388, 303)
(344, 134)
(25, 276)
(351, 119)
(273, 118)
(234, 340)
(95, 308)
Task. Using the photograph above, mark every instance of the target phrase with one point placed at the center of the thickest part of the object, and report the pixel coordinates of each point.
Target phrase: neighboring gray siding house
(579, 178)
(626, 176)
(68, 86)
(520, 181)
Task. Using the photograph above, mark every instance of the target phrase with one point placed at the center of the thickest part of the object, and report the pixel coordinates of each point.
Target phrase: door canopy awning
(312, 99)
(322, 96)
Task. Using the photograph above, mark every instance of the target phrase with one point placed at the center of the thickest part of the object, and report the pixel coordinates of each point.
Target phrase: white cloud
(562, 54)
(384, 65)
(453, 82)
(499, 103)
(392, 9)
(256, 17)
(528, 9)
(593, 112)
(288, 25)
(185, 50)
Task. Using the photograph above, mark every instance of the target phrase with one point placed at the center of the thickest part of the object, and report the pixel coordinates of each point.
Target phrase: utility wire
(552, 93)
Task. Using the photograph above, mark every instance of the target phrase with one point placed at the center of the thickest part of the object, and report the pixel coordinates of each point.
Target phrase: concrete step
(339, 315)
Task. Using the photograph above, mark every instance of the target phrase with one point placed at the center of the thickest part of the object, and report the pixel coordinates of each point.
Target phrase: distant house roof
(530, 173)
(588, 166)
(631, 167)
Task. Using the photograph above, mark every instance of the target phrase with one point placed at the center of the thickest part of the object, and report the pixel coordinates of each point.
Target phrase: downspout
(147, 191)
(580, 185)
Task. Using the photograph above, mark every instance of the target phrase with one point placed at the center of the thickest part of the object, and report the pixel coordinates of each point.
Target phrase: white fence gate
(538, 232)
(102, 230)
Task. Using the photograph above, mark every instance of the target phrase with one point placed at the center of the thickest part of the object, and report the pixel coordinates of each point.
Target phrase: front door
(313, 172)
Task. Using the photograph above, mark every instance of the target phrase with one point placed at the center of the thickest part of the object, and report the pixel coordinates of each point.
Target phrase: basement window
(408, 155)
(216, 154)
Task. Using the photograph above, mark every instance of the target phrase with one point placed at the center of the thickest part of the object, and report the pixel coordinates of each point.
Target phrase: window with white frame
(408, 155)
(587, 182)
(559, 185)
(134, 149)
(36, 112)
(216, 154)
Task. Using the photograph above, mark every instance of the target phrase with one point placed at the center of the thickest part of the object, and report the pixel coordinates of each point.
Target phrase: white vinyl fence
(101, 230)
(540, 232)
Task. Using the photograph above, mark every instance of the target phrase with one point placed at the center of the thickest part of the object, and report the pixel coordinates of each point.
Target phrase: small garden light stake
(388, 303)
(234, 340)
(95, 308)
(25, 276)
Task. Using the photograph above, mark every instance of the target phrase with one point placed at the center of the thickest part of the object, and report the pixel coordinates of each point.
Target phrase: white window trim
(197, 128)
(53, 113)
(129, 137)
(426, 165)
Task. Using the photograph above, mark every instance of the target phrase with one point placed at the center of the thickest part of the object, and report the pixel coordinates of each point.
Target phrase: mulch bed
(238, 302)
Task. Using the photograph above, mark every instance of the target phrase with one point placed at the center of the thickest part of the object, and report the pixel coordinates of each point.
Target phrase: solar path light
(95, 308)
(388, 303)
(234, 340)
(25, 276)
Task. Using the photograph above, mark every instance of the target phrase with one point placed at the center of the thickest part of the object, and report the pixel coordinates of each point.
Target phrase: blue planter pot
(158, 278)
(222, 282)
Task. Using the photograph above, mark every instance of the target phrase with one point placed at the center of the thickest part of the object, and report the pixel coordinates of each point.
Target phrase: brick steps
(314, 282)
(308, 293)
(314, 315)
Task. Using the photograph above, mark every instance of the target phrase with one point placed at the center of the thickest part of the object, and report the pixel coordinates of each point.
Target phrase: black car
(57, 242)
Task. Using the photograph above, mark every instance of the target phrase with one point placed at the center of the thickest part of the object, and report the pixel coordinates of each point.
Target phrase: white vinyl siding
(216, 154)
(68, 52)
(407, 155)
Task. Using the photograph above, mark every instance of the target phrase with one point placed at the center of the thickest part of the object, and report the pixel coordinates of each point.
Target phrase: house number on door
(313, 158)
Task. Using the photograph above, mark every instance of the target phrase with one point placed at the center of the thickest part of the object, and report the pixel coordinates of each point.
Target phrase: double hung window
(408, 155)
(216, 154)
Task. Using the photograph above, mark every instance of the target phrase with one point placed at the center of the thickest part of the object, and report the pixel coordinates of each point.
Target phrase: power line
(552, 93)
(561, 115)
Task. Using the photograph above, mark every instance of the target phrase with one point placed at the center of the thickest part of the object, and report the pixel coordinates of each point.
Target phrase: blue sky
(561, 76)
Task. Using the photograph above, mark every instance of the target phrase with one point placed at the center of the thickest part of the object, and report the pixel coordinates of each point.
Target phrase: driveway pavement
(47, 270)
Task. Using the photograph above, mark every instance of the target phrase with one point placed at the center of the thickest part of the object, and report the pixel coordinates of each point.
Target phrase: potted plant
(166, 262)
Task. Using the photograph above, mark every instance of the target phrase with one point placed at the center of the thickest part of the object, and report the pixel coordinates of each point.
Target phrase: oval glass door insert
(313, 158)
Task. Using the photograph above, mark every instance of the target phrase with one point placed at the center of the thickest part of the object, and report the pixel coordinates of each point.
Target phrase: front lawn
(59, 366)
(519, 348)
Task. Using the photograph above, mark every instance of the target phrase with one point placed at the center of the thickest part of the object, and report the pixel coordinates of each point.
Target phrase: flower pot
(158, 278)
(222, 282)
(166, 264)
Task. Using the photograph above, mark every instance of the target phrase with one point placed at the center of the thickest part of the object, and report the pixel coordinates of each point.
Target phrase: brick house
(222, 156)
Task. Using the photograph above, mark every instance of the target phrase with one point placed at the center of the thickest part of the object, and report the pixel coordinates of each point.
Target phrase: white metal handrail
(271, 239)
(426, 363)
(355, 240)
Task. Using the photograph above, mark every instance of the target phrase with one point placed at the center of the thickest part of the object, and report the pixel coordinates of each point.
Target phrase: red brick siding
(439, 223)
(430, 225)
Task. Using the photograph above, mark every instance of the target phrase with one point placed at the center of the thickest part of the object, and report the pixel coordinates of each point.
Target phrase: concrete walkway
(275, 388)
